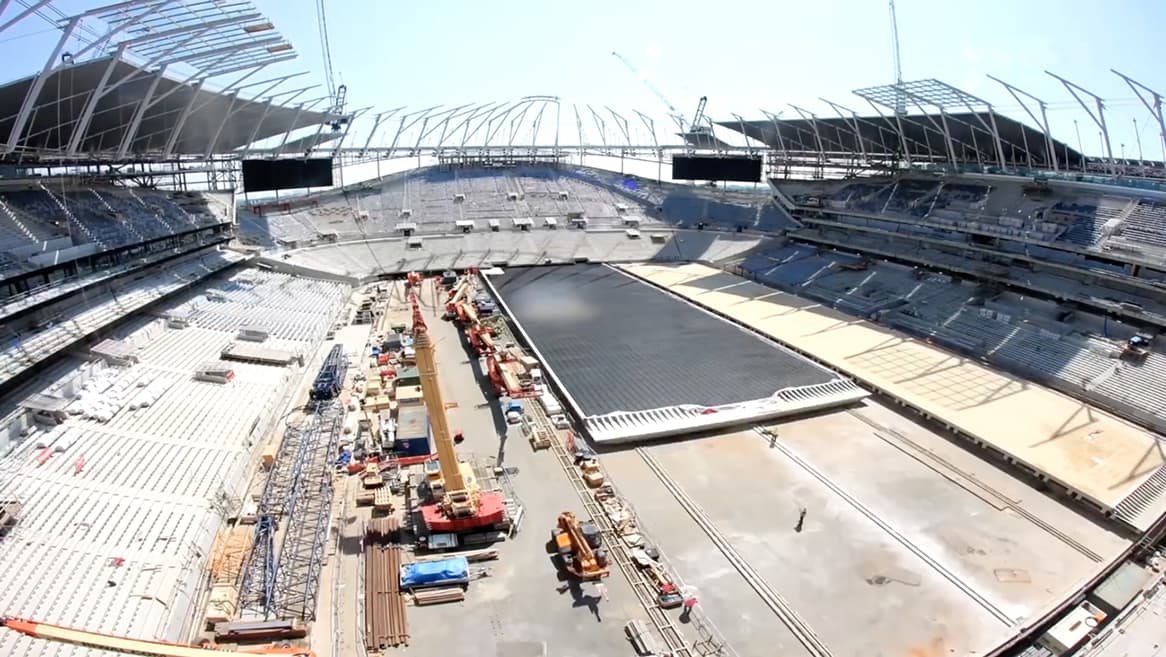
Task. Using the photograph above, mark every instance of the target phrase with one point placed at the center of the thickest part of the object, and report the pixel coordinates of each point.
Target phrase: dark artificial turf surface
(618, 344)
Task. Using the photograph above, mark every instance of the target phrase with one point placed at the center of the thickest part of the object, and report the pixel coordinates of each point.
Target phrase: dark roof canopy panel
(920, 136)
(215, 123)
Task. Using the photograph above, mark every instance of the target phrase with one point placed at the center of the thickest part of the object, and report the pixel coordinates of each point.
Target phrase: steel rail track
(931, 561)
(772, 599)
(923, 455)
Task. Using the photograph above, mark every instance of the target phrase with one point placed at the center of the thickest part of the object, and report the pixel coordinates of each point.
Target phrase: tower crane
(457, 503)
(676, 114)
(900, 101)
(339, 94)
(691, 132)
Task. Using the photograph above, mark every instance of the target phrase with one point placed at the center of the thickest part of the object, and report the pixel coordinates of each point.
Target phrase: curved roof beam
(493, 131)
(482, 122)
(464, 126)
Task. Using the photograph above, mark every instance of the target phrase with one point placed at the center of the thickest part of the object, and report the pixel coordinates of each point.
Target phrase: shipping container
(550, 404)
(412, 422)
(408, 376)
(409, 396)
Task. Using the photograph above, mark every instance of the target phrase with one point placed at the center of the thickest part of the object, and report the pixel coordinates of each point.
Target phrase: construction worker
(689, 603)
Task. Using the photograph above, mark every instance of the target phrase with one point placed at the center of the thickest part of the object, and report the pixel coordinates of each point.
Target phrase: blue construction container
(413, 432)
(413, 447)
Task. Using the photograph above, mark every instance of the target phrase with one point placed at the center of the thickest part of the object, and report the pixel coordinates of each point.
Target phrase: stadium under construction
(899, 392)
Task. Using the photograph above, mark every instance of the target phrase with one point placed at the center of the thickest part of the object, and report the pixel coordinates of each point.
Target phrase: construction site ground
(909, 546)
(517, 611)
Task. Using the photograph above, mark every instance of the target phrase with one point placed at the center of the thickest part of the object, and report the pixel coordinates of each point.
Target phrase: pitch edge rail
(799, 627)
(955, 579)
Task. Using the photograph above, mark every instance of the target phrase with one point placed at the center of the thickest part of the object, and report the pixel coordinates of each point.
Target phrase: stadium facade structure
(84, 248)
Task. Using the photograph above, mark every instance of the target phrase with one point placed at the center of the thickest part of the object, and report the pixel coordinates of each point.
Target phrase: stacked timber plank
(384, 605)
(228, 554)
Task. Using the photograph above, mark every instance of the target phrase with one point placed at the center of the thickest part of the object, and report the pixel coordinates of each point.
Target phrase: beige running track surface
(1094, 453)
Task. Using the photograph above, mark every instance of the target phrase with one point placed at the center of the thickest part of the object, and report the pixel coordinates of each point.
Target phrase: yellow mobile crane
(457, 504)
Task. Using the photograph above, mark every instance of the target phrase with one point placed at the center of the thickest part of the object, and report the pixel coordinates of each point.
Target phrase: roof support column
(1043, 121)
(372, 132)
(38, 85)
(1000, 143)
(292, 126)
(809, 116)
(579, 128)
(82, 126)
(741, 124)
(775, 119)
(853, 123)
(651, 126)
(292, 95)
(1099, 118)
(340, 142)
(955, 162)
(1154, 105)
(139, 113)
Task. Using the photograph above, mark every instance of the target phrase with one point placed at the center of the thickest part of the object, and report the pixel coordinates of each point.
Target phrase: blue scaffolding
(281, 579)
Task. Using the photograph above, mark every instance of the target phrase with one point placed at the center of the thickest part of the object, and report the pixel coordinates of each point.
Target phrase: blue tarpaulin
(454, 569)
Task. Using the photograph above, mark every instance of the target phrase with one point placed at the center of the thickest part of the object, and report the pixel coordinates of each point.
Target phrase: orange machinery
(505, 373)
(579, 549)
(460, 308)
(136, 646)
(457, 503)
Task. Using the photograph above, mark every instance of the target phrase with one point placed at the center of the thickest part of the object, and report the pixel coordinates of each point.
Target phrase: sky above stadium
(744, 55)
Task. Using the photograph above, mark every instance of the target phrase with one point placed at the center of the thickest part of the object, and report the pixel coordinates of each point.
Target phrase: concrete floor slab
(970, 548)
(1094, 453)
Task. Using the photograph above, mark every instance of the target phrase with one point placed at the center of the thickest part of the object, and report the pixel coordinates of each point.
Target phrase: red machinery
(457, 503)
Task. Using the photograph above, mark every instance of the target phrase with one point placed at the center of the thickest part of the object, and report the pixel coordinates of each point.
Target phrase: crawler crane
(457, 503)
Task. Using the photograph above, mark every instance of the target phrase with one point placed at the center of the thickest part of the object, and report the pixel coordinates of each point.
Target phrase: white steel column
(292, 95)
(1043, 121)
(82, 126)
(140, 113)
(38, 84)
(1099, 118)
(1154, 105)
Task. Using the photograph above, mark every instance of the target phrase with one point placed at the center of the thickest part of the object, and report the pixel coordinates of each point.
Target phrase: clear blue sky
(744, 55)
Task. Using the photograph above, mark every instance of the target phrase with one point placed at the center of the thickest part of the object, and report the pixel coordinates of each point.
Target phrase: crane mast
(676, 114)
(900, 101)
(454, 489)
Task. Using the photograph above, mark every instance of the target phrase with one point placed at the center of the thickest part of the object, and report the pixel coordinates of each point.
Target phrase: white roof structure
(77, 104)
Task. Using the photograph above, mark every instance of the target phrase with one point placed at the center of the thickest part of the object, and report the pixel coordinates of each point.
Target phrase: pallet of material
(221, 603)
(383, 499)
(365, 499)
(438, 596)
(250, 352)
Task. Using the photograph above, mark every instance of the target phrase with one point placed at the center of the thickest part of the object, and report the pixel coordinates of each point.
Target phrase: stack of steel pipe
(385, 623)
